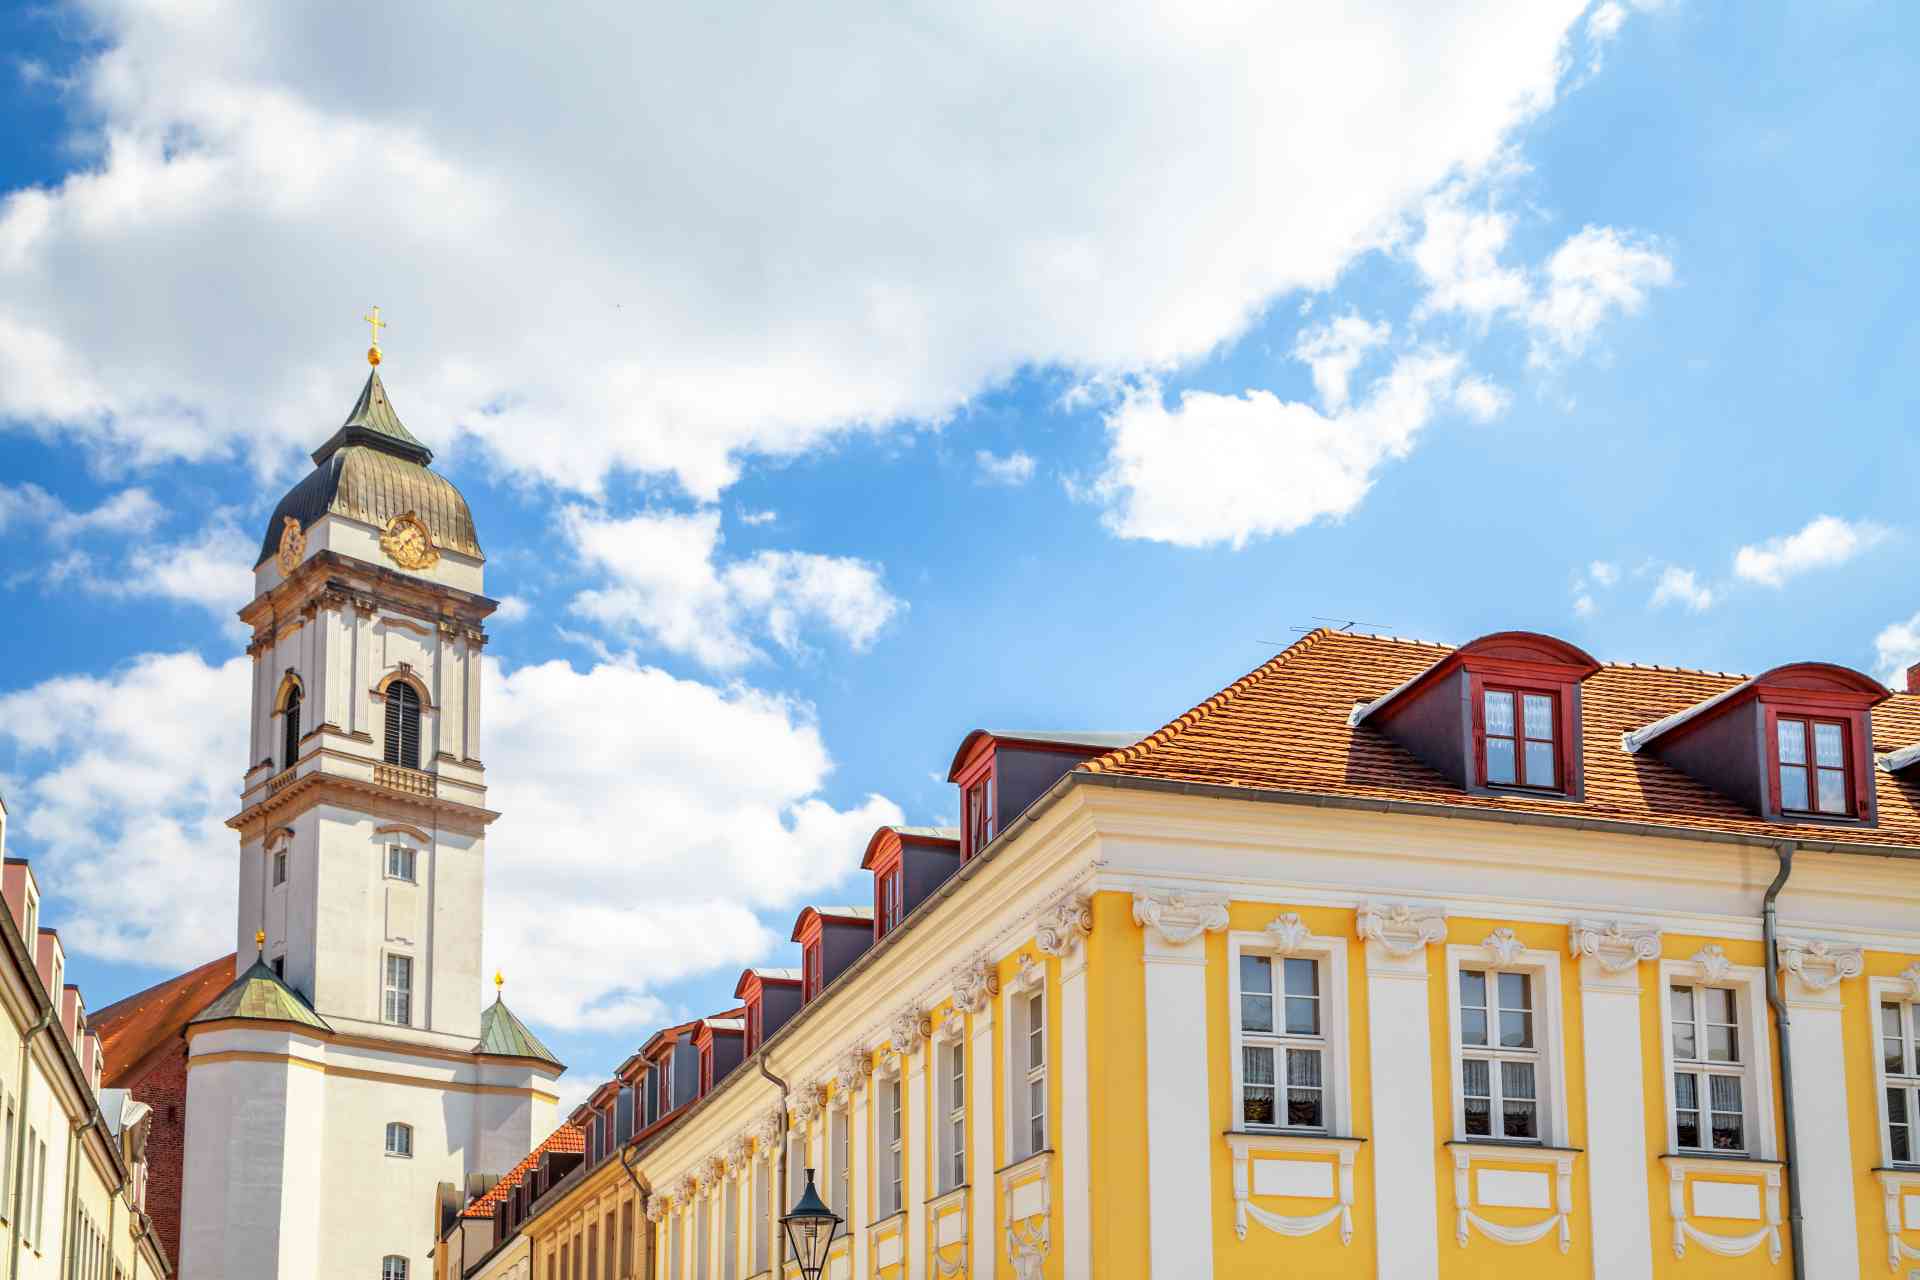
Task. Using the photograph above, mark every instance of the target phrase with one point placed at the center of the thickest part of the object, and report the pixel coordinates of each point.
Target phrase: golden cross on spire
(373, 318)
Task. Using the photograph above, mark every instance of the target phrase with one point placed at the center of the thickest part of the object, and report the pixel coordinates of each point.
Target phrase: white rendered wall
(1401, 1059)
(1179, 1145)
(1616, 1122)
(1831, 1235)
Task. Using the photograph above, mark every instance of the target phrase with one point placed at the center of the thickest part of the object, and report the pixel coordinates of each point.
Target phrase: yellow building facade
(1269, 992)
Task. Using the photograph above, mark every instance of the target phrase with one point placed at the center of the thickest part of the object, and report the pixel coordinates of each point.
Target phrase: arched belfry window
(290, 728)
(403, 725)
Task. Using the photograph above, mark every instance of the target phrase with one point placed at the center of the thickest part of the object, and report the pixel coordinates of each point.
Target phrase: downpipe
(1770, 933)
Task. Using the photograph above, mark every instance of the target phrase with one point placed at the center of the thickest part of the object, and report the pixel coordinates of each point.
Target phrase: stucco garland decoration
(1066, 920)
(1178, 916)
(1399, 928)
(1911, 976)
(686, 1189)
(1288, 932)
(1504, 947)
(1468, 1221)
(905, 1030)
(767, 1133)
(738, 1152)
(851, 1077)
(975, 984)
(1614, 946)
(1713, 962)
(808, 1099)
(1029, 976)
(710, 1171)
(1724, 1246)
(659, 1204)
(1818, 964)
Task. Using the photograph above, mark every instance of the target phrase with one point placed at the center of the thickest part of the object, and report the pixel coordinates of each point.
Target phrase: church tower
(350, 1069)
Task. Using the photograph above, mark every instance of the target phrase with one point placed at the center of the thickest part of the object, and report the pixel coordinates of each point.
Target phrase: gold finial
(260, 939)
(498, 980)
(373, 318)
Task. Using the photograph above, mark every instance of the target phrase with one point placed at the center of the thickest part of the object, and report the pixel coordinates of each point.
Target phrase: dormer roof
(831, 915)
(763, 977)
(1515, 652)
(1819, 681)
(886, 836)
(1042, 739)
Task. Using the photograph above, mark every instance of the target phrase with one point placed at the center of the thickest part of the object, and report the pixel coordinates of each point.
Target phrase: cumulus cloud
(666, 583)
(1458, 257)
(512, 609)
(1896, 648)
(1597, 272)
(757, 517)
(1212, 468)
(1333, 351)
(1480, 399)
(1682, 587)
(1826, 542)
(783, 284)
(128, 511)
(1013, 470)
(679, 843)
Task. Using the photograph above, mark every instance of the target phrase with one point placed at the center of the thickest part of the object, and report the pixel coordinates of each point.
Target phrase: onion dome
(371, 470)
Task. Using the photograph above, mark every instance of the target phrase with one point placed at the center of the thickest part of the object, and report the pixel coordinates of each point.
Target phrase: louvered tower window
(403, 725)
(290, 750)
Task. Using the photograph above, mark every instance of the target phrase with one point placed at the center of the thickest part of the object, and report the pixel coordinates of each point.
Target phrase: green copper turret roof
(259, 995)
(505, 1036)
(373, 422)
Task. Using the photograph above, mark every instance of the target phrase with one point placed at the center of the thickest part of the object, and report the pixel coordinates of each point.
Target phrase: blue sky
(925, 379)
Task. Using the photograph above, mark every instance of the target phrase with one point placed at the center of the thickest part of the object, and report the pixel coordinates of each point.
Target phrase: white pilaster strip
(1811, 977)
(1076, 1171)
(1609, 955)
(857, 1145)
(1179, 1137)
(913, 1081)
(974, 986)
(1400, 1049)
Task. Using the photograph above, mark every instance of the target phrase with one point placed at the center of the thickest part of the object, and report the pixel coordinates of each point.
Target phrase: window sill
(1681, 1160)
(1292, 1137)
(1513, 1144)
(1044, 1151)
(954, 1190)
(399, 1155)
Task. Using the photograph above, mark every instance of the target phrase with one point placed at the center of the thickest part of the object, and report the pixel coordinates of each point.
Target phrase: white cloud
(779, 288)
(1583, 605)
(1681, 586)
(1480, 399)
(725, 785)
(1595, 273)
(1222, 469)
(1604, 23)
(1458, 256)
(1013, 470)
(110, 787)
(1604, 572)
(1825, 542)
(1896, 648)
(664, 582)
(128, 511)
(512, 609)
(1600, 575)
(757, 517)
(1335, 350)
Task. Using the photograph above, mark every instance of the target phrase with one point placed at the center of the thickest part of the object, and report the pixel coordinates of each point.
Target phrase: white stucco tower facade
(353, 1067)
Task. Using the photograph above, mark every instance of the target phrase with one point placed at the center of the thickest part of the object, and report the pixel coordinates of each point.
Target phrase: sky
(827, 385)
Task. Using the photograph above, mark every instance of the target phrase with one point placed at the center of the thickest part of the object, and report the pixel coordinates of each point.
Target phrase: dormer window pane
(1539, 731)
(1826, 743)
(1500, 753)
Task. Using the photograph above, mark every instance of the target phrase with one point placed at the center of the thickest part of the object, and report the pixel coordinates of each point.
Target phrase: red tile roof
(1283, 727)
(565, 1138)
(132, 1028)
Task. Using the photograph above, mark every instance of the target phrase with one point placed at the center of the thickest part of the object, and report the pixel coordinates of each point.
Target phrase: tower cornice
(305, 791)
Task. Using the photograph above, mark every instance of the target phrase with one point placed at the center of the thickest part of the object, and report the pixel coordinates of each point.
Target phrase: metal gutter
(1769, 929)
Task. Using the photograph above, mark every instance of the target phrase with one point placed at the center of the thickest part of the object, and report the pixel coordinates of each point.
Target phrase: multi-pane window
(753, 1026)
(1900, 1063)
(978, 804)
(400, 862)
(1518, 739)
(1499, 1055)
(893, 1173)
(839, 1176)
(1813, 766)
(290, 741)
(730, 1234)
(402, 746)
(1282, 1043)
(393, 1267)
(953, 1112)
(280, 867)
(399, 1139)
(892, 900)
(815, 973)
(673, 1245)
(702, 1235)
(626, 1239)
(1030, 1066)
(762, 1213)
(397, 996)
(1709, 1078)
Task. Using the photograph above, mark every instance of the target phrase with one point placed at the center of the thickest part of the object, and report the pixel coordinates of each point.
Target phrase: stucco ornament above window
(1713, 962)
(1614, 946)
(975, 983)
(1400, 928)
(1503, 947)
(1820, 965)
(852, 1075)
(1066, 920)
(1287, 932)
(1180, 917)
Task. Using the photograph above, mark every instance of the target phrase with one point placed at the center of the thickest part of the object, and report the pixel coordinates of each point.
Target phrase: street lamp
(810, 1226)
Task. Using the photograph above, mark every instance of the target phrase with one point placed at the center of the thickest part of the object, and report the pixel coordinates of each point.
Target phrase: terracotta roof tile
(132, 1028)
(565, 1138)
(1284, 727)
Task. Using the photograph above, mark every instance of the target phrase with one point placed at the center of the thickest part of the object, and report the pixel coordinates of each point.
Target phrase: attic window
(889, 899)
(1519, 739)
(753, 1024)
(979, 809)
(813, 973)
(1811, 766)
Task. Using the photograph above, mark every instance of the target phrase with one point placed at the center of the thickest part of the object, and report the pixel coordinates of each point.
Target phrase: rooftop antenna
(1341, 624)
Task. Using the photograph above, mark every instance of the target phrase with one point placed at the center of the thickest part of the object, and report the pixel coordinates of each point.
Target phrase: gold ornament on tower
(293, 545)
(373, 318)
(407, 542)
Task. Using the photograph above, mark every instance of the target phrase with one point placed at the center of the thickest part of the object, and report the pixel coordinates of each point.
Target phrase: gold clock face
(293, 545)
(407, 542)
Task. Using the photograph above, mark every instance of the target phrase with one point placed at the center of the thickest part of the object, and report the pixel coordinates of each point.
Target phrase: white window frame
(1549, 1030)
(950, 1112)
(389, 1272)
(762, 1213)
(889, 1144)
(405, 1150)
(837, 1157)
(388, 990)
(280, 860)
(796, 1159)
(730, 1229)
(1898, 991)
(703, 1235)
(1336, 1102)
(393, 851)
(1021, 1074)
(1749, 982)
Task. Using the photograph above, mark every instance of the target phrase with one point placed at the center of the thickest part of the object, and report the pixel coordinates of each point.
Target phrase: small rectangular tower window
(280, 867)
(400, 862)
(397, 1006)
(399, 1139)
(393, 1267)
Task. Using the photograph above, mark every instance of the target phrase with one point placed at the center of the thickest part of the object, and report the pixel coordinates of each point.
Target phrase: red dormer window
(1810, 769)
(978, 824)
(753, 1026)
(1519, 737)
(706, 1069)
(812, 972)
(889, 900)
(665, 1072)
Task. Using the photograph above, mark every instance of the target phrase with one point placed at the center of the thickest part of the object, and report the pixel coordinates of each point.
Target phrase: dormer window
(706, 1069)
(890, 898)
(1811, 766)
(812, 971)
(1519, 745)
(753, 1026)
(979, 823)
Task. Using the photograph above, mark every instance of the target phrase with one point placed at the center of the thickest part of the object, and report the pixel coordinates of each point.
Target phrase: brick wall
(162, 1085)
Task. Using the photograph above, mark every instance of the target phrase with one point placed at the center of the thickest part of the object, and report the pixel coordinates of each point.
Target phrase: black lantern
(810, 1226)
